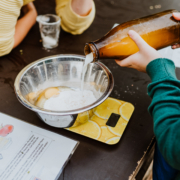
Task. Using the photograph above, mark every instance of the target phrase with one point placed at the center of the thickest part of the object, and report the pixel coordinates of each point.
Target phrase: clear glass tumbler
(49, 26)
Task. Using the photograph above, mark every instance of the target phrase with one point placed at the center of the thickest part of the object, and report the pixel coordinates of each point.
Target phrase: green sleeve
(165, 108)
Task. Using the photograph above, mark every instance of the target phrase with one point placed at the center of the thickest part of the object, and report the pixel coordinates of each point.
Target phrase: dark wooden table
(92, 160)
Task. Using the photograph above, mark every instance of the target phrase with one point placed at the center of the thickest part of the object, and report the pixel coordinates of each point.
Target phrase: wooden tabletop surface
(92, 160)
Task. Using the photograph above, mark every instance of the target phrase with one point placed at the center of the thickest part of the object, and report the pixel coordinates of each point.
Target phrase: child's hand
(141, 59)
(177, 17)
(82, 7)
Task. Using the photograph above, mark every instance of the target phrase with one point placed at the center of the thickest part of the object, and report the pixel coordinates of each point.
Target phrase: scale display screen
(113, 119)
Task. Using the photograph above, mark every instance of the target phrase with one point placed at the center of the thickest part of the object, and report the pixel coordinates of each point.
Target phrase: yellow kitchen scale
(106, 122)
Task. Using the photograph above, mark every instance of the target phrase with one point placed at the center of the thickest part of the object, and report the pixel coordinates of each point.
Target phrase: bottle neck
(91, 48)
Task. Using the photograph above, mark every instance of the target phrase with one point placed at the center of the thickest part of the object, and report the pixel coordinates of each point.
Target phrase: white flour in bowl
(66, 99)
(69, 100)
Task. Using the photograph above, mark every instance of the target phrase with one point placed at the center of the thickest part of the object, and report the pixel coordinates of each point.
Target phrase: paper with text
(31, 153)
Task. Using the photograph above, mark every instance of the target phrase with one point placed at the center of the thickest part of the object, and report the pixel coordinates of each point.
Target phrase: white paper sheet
(31, 153)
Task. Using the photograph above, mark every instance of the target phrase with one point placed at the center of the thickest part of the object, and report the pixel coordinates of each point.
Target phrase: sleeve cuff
(77, 15)
(161, 68)
(72, 22)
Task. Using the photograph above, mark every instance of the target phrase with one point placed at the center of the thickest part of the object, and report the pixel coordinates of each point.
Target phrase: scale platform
(105, 123)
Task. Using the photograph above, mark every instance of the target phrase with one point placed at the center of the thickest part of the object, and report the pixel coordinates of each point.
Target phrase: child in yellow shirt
(76, 15)
(12, 30)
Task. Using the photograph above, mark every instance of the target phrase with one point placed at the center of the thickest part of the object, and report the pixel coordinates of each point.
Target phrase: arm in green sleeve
(165, 108)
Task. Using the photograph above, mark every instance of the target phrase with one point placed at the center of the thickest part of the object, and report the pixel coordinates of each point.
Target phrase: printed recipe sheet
(31, 153)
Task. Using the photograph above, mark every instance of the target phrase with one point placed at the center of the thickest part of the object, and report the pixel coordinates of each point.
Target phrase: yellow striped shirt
(9, 13)
(70, 21)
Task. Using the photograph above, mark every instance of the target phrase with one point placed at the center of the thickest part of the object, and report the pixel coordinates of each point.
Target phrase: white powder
(72, 99)
(69, 100)
(49, 41)
(88, 59)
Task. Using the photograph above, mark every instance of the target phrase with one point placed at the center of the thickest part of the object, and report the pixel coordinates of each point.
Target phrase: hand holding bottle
(143, 57)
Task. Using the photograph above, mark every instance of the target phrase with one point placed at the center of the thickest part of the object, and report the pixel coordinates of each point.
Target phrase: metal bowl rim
(62, 113)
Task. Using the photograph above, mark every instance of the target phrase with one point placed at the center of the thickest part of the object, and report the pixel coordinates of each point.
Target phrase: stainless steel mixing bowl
(62, 70)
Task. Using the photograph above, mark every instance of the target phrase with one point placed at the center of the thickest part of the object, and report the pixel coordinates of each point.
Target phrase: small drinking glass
(49, 26)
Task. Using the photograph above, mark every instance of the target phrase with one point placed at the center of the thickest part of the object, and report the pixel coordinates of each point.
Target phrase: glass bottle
(158, 30)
